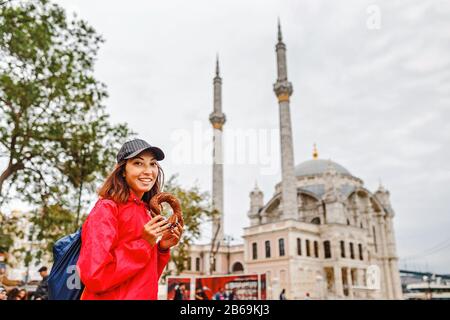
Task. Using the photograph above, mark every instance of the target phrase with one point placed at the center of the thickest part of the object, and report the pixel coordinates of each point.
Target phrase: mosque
(322, 233)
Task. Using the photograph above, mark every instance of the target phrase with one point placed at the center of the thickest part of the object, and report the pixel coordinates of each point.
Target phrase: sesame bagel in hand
(155, 208)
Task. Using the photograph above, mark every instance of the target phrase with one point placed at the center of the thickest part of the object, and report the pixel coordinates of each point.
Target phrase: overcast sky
(371, 87)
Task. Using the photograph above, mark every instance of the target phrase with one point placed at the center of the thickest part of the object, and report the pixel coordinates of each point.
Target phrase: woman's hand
(171, 237)
(154, 229)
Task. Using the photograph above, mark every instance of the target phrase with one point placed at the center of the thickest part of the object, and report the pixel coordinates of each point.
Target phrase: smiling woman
(121, 257)
(141, 173)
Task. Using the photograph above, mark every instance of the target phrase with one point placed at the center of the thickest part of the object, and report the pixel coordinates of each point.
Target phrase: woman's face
(22, 294)
(141, 173)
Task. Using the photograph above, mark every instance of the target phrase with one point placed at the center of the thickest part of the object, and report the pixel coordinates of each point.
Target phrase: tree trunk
(9, 171)
(80, 191)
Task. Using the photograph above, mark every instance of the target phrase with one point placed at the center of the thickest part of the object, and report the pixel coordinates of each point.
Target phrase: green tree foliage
(197, 210)
(55, 137)
(7, 228)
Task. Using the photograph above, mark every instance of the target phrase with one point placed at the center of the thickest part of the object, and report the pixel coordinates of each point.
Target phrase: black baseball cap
(44, 268)
(132, 148)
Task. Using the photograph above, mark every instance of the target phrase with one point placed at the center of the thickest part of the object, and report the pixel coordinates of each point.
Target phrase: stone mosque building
(322, 232)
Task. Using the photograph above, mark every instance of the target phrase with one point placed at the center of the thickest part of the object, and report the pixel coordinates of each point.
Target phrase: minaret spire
(280, 37)
(217, 66)
(217, 119)
(283, 91)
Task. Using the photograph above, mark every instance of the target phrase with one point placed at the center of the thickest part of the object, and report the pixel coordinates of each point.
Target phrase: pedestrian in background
(200, 294)
(22, 295)
(3, 295)
(41, 292)
(13, 294)
(233, 295)
(283, 294)
(220, 295)
(180, 292)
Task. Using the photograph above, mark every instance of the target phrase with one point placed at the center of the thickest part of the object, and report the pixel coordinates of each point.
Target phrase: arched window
(197, 264)
(254, 251)
(281, 247)
(342, 249)
(360, 252)
(189, 262)
(327, 249)
(374, 238)
(267, 244)
(315, 220)
(299, 246)
(352, 253)
(237, 267)
(308, 250)
(316, 249)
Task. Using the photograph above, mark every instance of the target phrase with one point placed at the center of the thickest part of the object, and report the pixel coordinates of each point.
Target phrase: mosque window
(299, 246)
(281, 246)
(267, 249)
(197, 264)
(352, 253)
(308, 251)
(237, 267)
(327, 249)
(342, 249)
(316, 249)
(189, 264)
(360, 252)
(254, 251)
(374, 239)
(324, 208)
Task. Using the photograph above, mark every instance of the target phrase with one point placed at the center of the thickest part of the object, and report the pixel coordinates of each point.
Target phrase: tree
(55, 135)
(7, 228)
(196, 211)
(49, 98)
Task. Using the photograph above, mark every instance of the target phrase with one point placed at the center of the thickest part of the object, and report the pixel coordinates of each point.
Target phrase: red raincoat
(115, 262)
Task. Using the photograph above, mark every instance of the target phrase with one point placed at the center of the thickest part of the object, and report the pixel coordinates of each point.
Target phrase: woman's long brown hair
(116, 188)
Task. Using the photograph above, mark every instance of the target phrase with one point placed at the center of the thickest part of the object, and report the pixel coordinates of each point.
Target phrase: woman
(22, 295)
(13, 294)
(120, 256)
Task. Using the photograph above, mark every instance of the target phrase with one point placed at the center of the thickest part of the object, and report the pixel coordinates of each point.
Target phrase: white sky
(375, 100)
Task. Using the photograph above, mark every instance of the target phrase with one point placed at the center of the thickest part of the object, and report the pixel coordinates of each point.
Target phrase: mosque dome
(318, 167)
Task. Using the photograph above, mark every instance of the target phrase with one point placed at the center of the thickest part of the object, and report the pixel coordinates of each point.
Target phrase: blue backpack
(64, 283)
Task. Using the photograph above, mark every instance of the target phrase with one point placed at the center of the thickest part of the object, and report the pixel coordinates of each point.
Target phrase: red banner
(238, 287)
(233, 287)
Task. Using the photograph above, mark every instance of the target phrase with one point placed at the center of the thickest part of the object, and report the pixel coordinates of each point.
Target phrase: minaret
(283, 90)
(217, 119)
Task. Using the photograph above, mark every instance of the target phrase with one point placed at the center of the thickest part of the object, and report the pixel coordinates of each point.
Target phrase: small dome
(318, 166)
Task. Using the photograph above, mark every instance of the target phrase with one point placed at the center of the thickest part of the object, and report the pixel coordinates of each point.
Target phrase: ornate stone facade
(322, 232)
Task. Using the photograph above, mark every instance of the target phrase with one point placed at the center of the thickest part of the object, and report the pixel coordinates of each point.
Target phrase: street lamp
(228, 240)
